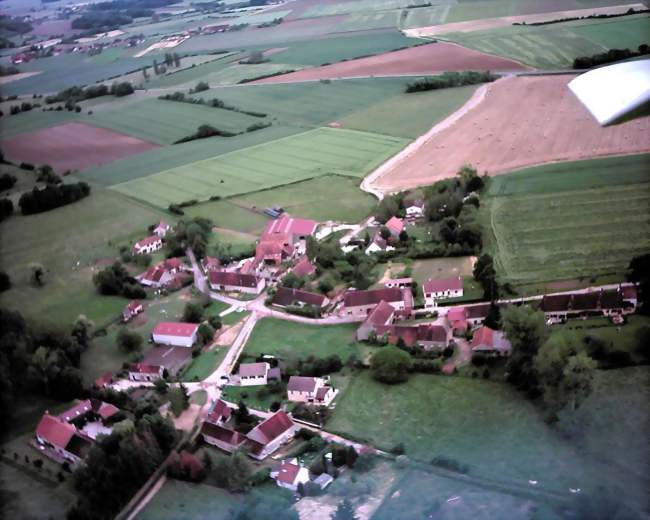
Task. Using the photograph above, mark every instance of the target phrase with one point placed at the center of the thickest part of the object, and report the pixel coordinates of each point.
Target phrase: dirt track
(72, 146)
(522, 121)
(425, 59)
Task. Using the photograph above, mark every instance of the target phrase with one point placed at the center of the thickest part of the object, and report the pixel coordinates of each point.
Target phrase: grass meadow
(307, 155)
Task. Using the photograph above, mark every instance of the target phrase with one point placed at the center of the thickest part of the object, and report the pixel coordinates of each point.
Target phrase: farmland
(72, 146)
(279, 162)
(571, 232)
(551, 125)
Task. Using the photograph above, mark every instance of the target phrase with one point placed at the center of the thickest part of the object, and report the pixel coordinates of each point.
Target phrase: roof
(78, 410)
(395, 224)
(398, 281)
(457, 314)
(357, 298)
(613, 91)
(233, 279)
(142, 368)
(585, 301)
(628, 292)
(555, 303)
(147, 241)
(272, 428)
(611, 299)
(170, 357)
(154, 274)
(253, 369)
(55, 431)
(272, 248)
(287, 472)
(78, 445)
(322, 392)
(436, 333)
(478, 311)
(104, 410)
(222, 434)
(172, 263)
(291, 225)
(455, 283)
(220, 411)
(104, 379)
(483, 337)
(302, 384)
(303, 268)
(381, 314)
(210, 262)
(162, 225)
(286, 296)
(174, 328)
(133, 305)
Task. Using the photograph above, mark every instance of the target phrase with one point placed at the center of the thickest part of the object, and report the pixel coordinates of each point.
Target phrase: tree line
(612, 55)
(75, 94)
(51, 197)
(629, 12)
(450, 80)
(214, 102)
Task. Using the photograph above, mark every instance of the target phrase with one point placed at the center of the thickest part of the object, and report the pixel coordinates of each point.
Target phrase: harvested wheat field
(72, 146)
(424, 59)
(510, 124)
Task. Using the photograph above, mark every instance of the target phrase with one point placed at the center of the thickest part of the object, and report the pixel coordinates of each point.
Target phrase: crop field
(193, 74)
(628, 32)
(289, 340)
(359, 6)
(424, 59)
(229, 214)
(550, 126)
(367, 21)
(164, 122)
(72, 146)
(235, 73)
(167, 157)
(34, 120)
(267, 165)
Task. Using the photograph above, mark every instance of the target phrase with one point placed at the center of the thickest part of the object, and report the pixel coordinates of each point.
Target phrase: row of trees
(612, 55)
(450, 80)
(51, 197)
(76, 94)
(214, 102)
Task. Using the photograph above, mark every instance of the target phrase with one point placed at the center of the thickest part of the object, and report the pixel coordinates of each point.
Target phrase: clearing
(72, 146)
(550, 125)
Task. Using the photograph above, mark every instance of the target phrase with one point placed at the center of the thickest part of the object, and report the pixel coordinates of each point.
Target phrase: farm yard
(72, 146)
(569, 227)
(307, 155)
(550, 125)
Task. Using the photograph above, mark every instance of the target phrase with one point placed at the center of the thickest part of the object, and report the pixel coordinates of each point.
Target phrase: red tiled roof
(219, 411)
(357, 298)
(55, 431)
(286, 296)
(291, 225)
(395, 224)
(210, 262)
(154, 274)
(222, 434)
(105, 410)
(478, 311)
(162, 225)
(104, 380)
(483, 337)
(147, 241)
(288, 472)
(79, 409)
(301, 384)
(303, 268)
(143, 368)
(271, 428)
(232, 279)
(322, 392)
(454, 283)
(172, 328)
(457, 314)
(435, 333)
(381, 314)
(253, 369)
(172, 263)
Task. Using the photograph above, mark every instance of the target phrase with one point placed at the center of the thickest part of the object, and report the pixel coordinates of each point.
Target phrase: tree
(161, 386)
(201, 86)
(37, 274)
(387, 208)
(390, 365)
(82, 330)
(526, 330)
(639, 272)
(5, 282)
(384, 232)
(6, 209)
(205, 333)
(485, 274)
(351, 457)
(129, 341)
(240, 471)
(193, 312)
(344, 511)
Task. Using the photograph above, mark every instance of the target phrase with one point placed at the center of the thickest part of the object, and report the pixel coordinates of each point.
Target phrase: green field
(289, 341)
(203, 365)
(543, 225)
(68, 241)
(195, 74)
(164, 122)
(366, 21)
(617, 33)
(304, 156)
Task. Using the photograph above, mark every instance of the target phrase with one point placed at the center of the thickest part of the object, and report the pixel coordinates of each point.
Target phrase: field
(203, 365)
(425, 59)
(307, 155)
(570, 229)
(164, 122)
(551, 125)
(289, 340)
(72, 146)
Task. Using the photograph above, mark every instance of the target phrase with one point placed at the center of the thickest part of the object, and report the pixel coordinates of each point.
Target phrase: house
(400, 283)
(487, 340)
(382, 315)
(210, 263)
(161, 229)
(104, 380)
(221, 437)
(272, 251)
(433, 336)
(59, 439)
(312, 390)
(477, 313)
(361, 303)
(142, 372)
(133, 308)
(156, 276)
(395, 226)
(173, 265)
(303, 268)
(610, 302)
(323, 480)
(427, 336)
(441, 289)
(270, 434)
(147, 245)
(457, 319)
(285, 297)
(219, 413)
(414, 208)
(290, 474)
(235, 282)
(295, 229)
(251, 374)
(175, 333)
(171, 358)
(378, 244)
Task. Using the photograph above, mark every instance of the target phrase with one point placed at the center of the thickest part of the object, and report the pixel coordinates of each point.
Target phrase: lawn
(289, 340)
(570, 226)
(283, 161)
(187, 501)
(250, 396)
(165, 122)
(203, 365)
(441, 268)
(69, 241)
(226, 213)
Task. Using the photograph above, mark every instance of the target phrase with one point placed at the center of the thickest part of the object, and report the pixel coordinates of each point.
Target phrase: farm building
(173, 359)
(235, 282)
(219, 412)
(285, 297)
(378, 244)
(395, 226)
(400, 283)
(147, 245)
(175, 333)
(295, 228)
(132, 309)
(614, 91)
(487, 340)
(382, 315)
(224, 438)
(144, 372)
(272, 251)
(426, 336)
(414, 208)
(312, 390)
(441, 289)
(210, 263)
(290, 474)
(270, 434)
(361, 303)
(251, 374)
(599, 303)
(161, 229)
(303, 268)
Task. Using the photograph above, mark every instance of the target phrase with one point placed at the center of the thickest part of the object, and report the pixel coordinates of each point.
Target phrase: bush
(449, 80)
(391, 365)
